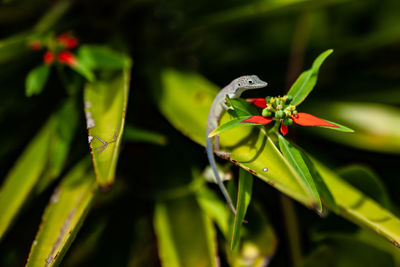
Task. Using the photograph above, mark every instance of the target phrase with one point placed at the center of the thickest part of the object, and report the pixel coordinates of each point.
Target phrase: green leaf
(241, 107)
(360, 209)
(24, 175)
(215, 209)
(295, 158)
(98, 57)
(376, 125)
(243, 201)
(63, 216)
(322, 188)
(364, 179)
(105, 108)
(60, 144)
(307, 80)
(41, 162)
(134, 134)
(185, 234)
(36, 80)
(258, 242)
(84, 70)
(339, 127)
(230, 125)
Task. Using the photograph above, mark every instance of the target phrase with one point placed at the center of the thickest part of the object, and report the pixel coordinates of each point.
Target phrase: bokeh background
(358, 86)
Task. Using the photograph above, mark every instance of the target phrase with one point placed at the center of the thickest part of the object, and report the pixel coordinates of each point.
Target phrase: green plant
(142, 198)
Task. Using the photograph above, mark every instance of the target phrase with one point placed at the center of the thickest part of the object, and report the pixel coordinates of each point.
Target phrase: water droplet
(265, 169)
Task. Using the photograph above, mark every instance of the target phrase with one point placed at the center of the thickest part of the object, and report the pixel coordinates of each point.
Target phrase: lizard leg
(221, 154)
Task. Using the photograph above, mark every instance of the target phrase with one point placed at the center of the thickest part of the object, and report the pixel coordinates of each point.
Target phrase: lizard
(218, 108)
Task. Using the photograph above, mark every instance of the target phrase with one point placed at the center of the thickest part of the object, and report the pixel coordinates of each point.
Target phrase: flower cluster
(280, 110)
(58, 49)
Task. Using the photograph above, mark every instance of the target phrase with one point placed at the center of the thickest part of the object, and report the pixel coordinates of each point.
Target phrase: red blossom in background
(66, 57)
(300, 118)
(48, 57)
(67, 40)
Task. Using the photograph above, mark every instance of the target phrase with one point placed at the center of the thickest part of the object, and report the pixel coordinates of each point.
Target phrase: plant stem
(292, 230)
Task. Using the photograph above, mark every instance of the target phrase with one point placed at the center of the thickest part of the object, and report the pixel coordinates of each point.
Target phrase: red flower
(48, 57)
(67, 40)
(300, 118)
(259, 102)
(66, 57)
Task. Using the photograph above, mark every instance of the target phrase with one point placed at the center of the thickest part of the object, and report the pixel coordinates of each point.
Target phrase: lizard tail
(211, 159)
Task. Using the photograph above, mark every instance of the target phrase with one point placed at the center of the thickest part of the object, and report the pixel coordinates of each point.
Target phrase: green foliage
(307, 80)
(105, 108)
(63, 216)
(161, 172)
(294, 156)
(243, 201)
(97, 57)
(36, 80)
(184, 233)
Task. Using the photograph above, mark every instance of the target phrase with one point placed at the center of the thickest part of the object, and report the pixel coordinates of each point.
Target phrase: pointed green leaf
(376, 125)
(215, 209)
(241, 107)
(185, 234)
(230, 125)
(24, 175)
(36, 80)
(105, 107)
(60, 144)
(294, 156)
(41, 161)
(63, 216)
(322, 188)
(98, 57)
(243, 201)
(307, 80)
(340, 128)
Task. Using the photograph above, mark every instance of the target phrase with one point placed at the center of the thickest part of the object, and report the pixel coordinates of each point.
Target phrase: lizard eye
(250, 82)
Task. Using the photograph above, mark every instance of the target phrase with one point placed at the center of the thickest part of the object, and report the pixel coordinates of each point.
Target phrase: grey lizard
(218, 107)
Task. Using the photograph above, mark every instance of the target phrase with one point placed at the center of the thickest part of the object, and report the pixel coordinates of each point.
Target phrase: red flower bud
(284, 129)
(48, 57)
(66, 57)
(67, 40)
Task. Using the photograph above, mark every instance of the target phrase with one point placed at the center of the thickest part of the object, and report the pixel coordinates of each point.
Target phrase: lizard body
(218, 107)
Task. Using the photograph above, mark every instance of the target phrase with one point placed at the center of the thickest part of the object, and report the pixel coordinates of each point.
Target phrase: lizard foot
(224, 155)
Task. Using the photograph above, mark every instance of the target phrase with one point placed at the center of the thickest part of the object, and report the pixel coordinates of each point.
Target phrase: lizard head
(248, 82)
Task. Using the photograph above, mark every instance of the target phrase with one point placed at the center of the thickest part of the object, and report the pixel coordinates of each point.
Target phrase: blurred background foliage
(159, 212)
